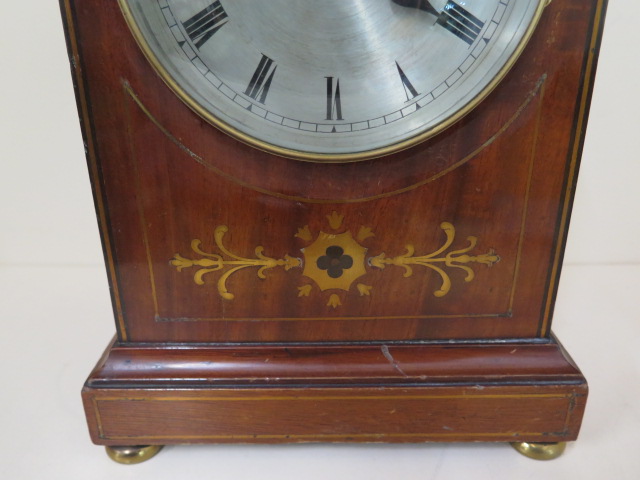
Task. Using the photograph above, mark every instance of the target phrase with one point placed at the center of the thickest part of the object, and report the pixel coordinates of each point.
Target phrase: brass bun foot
(133, 454)
(540, 451)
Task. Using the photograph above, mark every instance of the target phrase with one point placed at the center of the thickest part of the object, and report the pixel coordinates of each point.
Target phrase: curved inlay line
(205, 163)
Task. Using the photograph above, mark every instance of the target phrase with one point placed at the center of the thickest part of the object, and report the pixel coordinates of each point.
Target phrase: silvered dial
(332, 80)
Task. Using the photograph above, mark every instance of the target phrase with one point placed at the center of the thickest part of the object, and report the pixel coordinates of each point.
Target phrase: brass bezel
(320, 157)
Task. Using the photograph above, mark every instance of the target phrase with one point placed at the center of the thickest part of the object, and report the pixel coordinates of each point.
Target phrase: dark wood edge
(578, 134)
(83, 103)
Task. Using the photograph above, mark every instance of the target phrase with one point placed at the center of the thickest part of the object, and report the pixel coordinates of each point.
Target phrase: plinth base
(498, 392)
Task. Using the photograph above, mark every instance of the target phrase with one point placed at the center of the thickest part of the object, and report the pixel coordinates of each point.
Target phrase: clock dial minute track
(345, 82)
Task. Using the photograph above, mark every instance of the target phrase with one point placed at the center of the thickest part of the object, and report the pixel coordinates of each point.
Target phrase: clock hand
(419, 4)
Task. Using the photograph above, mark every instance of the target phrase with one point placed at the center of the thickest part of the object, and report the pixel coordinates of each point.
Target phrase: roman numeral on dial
(334, 107)
(258, 87)
(409, 89)
(204, 24)
(460, 22)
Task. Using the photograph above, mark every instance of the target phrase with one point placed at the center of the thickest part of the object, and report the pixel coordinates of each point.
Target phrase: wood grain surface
(163, 177)
(375, 393)
(435, 325)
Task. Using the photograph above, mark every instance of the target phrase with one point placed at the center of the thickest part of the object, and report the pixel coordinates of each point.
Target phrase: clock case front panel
(163, 178)
(210, 243)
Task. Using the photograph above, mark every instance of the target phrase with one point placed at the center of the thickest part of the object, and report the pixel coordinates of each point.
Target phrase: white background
(56, 316)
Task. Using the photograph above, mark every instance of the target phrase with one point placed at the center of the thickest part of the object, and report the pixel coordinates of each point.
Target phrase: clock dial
(334, 80)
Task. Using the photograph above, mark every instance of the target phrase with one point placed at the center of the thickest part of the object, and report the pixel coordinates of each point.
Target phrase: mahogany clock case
(446, 259)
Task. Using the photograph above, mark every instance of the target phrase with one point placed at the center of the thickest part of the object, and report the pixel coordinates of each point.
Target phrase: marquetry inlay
(334, 261)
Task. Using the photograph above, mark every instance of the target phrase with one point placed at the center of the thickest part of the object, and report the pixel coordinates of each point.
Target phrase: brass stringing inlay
(334, 261)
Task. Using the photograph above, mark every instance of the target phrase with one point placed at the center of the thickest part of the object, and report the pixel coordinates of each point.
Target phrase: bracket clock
(333, 221)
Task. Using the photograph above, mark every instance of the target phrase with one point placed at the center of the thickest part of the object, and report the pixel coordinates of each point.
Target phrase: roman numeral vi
(334, 106)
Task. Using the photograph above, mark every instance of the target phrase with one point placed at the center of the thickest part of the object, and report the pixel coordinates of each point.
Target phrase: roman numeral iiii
(460, 22)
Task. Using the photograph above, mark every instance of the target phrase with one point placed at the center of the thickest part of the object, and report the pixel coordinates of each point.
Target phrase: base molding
(161, 394)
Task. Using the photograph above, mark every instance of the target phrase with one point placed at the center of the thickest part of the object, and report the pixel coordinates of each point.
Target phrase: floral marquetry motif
(213, 262)
(439, 259)
(334, 261)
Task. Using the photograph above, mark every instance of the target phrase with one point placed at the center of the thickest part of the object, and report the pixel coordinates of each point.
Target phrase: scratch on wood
(392, 361)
